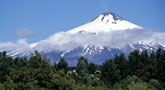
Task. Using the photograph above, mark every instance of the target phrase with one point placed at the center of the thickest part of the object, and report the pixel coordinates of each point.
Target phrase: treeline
(140, 71)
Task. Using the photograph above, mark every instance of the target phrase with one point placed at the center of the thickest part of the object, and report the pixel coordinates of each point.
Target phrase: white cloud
(22, 41)
(24, 33)
(6, 46)
(20, 46)
(65, 41)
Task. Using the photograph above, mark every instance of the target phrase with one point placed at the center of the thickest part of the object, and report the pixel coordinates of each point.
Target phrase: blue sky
(40, 19)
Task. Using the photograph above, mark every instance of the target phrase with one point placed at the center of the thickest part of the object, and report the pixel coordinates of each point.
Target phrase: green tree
(161, 67)
(20, 62)
(62, 81)
(152, 69)
(2, 87)
(24, 78)
(121, 64)
(35, 60)
(6, 66)
(82, 65)
(155, 84)
(109, 72)
(139, 65)
(62, 65)
(92, 68)
(139, 86)
(135, 83)
(158, 53)
(133, 60)
(8, 84)
(143, 66)
(44, 74)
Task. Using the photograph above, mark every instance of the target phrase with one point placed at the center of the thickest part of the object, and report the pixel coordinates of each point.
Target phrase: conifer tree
(121, 64)
(82, 64)
(62, 65)
(109, 72)
(133, 60)
(92, 68)
(35, 60)
(161, 67)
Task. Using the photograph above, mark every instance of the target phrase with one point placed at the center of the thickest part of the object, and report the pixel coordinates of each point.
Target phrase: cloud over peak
(115, 39)
(63, 41)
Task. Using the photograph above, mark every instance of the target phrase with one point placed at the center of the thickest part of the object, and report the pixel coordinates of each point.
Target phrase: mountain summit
(104, 23)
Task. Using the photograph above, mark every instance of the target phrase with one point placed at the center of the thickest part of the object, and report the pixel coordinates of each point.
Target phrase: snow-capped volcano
(98, 40)
(104, 23)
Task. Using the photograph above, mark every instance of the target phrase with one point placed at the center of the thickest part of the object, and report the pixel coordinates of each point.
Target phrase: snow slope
(104, 23)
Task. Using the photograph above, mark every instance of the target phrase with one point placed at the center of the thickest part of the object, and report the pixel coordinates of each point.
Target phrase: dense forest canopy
(140, 71)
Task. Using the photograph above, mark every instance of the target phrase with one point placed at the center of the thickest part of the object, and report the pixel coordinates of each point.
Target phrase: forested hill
(141, 71)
